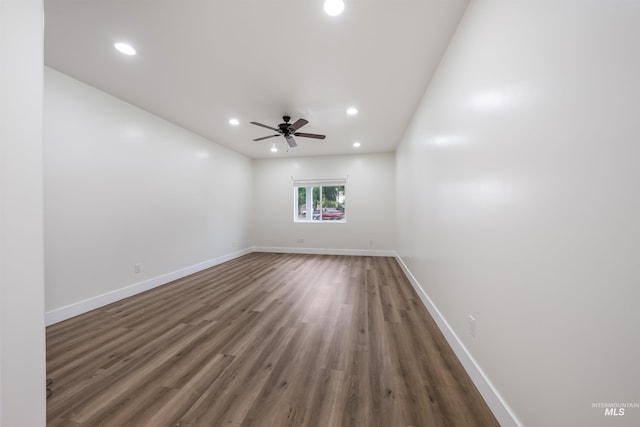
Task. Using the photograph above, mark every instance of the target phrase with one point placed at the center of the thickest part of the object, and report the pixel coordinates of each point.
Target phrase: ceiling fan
(289, 131)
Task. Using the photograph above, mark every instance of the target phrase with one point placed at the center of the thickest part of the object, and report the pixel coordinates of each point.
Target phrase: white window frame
(311, 183)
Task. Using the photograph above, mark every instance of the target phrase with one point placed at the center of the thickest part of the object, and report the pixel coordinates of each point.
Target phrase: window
(325, 199)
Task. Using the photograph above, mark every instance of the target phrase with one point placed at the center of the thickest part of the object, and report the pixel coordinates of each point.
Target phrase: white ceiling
(201, 62)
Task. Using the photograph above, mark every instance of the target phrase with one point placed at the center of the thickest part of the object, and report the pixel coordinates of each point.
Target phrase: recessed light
(352, 111)
(274, 149)
(356, 144)
(333, 7)
(125, 48)
(234, 122)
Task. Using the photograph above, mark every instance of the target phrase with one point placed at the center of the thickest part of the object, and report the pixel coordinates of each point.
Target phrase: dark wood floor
(263, 340)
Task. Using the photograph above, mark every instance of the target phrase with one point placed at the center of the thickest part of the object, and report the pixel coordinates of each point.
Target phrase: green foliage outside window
(325, 197)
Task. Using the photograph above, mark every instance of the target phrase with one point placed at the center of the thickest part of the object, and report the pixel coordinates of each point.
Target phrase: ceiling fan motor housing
(284, 127)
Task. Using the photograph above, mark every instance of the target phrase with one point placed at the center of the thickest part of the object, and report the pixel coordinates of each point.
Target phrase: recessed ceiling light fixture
(234, 122)
(333, 7)
(356, 144)
(125, 48)
(352, 111)
(274, 149)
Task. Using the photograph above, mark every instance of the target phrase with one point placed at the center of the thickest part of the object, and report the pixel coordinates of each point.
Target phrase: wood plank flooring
(263, 340)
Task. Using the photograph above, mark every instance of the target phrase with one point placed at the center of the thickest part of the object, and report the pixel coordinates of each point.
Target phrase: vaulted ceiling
(200, 63)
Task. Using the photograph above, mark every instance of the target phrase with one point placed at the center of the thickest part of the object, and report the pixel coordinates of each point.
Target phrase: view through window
(326, 200)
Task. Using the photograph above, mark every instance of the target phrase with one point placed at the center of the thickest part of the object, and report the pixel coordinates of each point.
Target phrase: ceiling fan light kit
(288, 131)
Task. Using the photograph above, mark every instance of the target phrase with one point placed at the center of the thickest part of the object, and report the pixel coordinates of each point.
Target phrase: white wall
(22, 344)
(517, 181)
(370, 201)
(124, 187)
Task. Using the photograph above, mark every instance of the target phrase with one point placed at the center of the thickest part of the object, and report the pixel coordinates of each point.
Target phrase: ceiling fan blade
(291, 141)
(298, 124)
(310, 135)
(264, 126)
(266, 137)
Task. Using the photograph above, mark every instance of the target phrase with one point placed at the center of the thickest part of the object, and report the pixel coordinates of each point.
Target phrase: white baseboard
(80, 307)
(325, 251)
(496, 403)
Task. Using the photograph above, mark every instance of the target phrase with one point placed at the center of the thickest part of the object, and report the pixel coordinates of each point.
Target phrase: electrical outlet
(370, 242)
(137, 268)
(233, 245)
(472, 326)
(301, 240)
